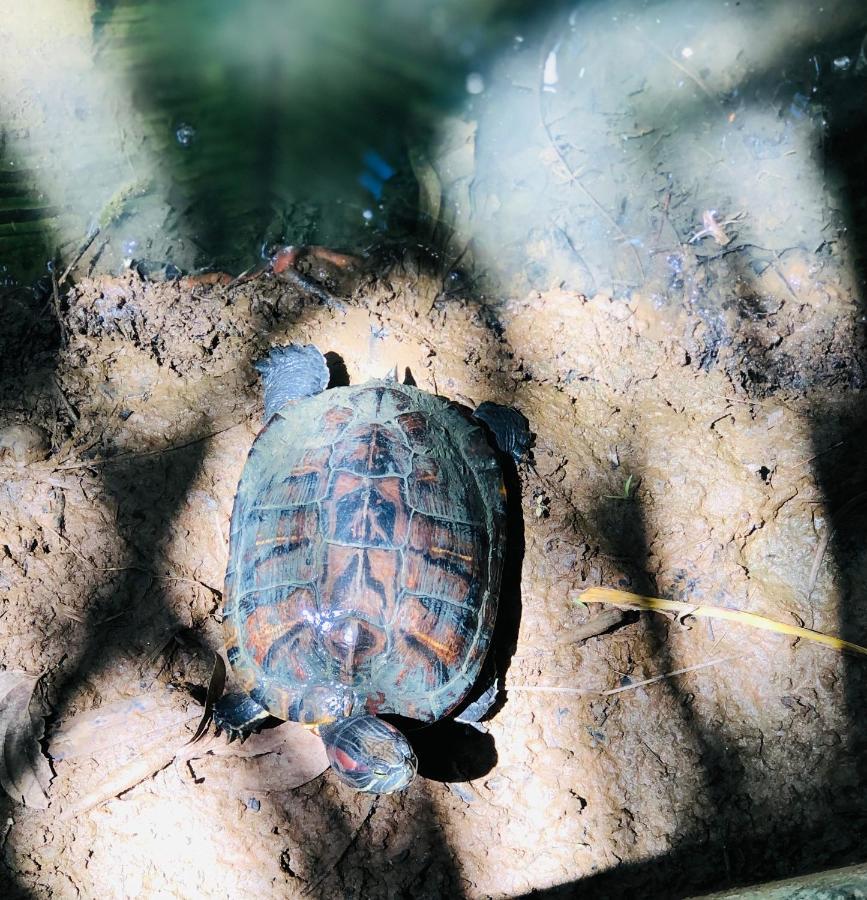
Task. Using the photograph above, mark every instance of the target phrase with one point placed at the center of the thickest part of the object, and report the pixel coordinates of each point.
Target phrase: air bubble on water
(129, 247)
(185, 134)
(475, 83)
(549, 73)
(367, 215)
(841, 63)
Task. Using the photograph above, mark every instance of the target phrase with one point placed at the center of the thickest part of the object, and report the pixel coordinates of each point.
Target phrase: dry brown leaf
(24, 771)
(278, 759)
(152, 726)
(132, 721)
(215, 691)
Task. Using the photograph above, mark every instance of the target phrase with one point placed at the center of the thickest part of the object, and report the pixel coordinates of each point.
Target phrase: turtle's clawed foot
(238, 716)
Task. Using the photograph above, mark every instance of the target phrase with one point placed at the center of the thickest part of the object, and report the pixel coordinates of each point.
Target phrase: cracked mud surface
(660, 466)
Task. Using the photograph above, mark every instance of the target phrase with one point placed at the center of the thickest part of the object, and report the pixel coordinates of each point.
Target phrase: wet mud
(657, 467)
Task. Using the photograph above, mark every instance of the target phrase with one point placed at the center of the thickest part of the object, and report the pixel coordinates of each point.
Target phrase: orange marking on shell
(285, 539)
(443, 551)
(267, 624)
(446, 652)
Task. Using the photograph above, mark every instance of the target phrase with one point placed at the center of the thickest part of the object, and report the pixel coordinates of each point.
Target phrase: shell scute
(275, 629)
(354, 643)
(432, 637)
(361, 582)
(378, 402)
(445, 489)
(334, 421)
(414, 425)
(281, 543)
(446, 560)
(374, 450)
(367, 512)
(304, 483)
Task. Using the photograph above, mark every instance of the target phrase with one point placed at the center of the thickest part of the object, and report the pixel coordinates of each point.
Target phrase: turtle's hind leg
(510, 429)
(238, 715)
(474, 712)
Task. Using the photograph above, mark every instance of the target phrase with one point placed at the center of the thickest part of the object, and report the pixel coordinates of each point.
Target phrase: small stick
(136, 454)
(844, 510)
(695, 668)
(88, 240)
(627, 600)
(553, 689)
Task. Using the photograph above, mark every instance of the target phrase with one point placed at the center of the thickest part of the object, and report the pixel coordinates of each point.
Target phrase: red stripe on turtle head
(346, 761)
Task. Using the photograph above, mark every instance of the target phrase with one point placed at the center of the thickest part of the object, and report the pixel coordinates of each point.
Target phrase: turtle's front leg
(238, 715)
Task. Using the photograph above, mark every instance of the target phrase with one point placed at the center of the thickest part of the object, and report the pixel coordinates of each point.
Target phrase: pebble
(23, 444)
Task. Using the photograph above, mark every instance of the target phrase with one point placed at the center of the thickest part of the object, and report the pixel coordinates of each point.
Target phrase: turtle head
(368, 754)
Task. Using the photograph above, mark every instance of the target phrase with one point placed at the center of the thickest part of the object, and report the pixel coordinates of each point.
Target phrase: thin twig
(554, 689)
(310, 888)
(73, 412)
(551, 689)
(844, 510)
(136, 454)
(88, 240)
(695, 668)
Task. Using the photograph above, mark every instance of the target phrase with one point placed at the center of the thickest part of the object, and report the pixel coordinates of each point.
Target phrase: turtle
(365, 556)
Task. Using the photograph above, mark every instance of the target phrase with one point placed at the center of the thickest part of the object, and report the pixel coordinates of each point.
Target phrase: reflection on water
(197, 132)
(611, 146)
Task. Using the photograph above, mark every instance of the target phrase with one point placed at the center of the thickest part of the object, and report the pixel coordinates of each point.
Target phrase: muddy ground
(667, 460)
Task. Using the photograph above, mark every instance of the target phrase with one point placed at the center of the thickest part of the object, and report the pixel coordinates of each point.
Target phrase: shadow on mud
(30, 339)
(748, 841)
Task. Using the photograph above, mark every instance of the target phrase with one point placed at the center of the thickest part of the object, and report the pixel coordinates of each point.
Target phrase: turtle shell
(365, 556)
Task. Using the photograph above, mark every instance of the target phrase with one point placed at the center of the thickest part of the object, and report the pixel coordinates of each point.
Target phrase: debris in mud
(138, 736)
(23, 444)
(683, 610)
(711, 227)
(24, 772)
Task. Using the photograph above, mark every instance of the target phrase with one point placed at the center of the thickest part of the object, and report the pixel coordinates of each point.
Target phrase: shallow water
(525, 145)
